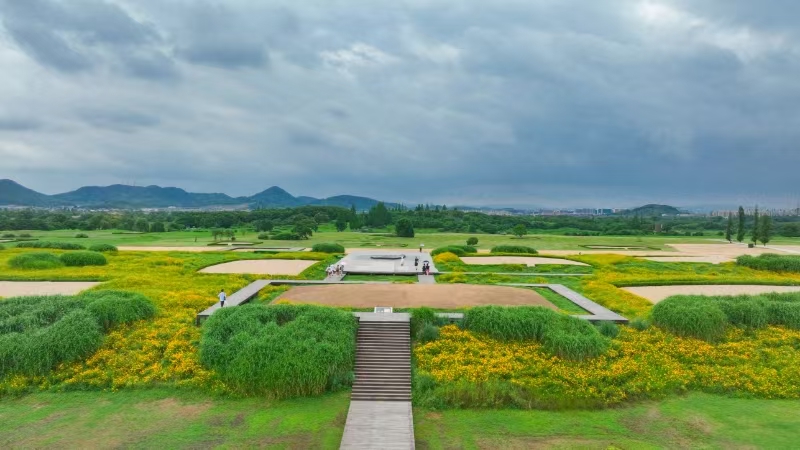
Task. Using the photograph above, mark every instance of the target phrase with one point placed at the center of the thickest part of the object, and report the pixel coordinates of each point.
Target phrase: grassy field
(693, 421)
(169, 418)
(376, 240)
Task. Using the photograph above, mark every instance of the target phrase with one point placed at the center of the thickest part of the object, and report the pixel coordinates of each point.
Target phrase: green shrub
(81, 235)
(422, 316)
(428, 333)
(24, 235)
(263, 236)
(281, 350)
(514, 249)
(111, 308)
(686, 316)
(103, 248)
(772, 262)
(327, 247)
(80, 259)
(9, 235)
(608, 329)
(639, 324)
(53, 245)
(560, 335)
(286, 236)
(35, 261)
(472, 241)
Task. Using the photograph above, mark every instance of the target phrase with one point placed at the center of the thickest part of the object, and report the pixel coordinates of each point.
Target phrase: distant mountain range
(652, 210)
(134, 197)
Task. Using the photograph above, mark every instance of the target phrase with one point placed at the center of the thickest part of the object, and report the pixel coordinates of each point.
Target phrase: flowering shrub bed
(465, 369)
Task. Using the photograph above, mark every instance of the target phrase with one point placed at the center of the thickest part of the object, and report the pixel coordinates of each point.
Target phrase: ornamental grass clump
(327, 247)
(103, 248)
(281, 350)
(81, 259)
(458, 250)
(561, 335)
(35, 261)
(514, 249)
(37, 333)
(114, 307)
(446, 258)
(745, 311)
(690, 317)
(53, 245)
(771, 261)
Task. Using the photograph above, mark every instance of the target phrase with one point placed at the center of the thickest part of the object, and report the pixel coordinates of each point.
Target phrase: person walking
(222, 298)
(416, 264)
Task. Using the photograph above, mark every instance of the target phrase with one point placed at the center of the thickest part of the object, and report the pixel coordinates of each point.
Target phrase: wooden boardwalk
(379, 425)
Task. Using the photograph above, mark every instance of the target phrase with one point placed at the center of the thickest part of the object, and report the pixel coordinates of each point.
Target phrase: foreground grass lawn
(694, 421)
(167, 418)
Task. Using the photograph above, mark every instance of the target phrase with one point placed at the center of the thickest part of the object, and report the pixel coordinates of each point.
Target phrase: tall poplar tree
(740, 230)
(765, 229)
(729, 228)
(754, 238)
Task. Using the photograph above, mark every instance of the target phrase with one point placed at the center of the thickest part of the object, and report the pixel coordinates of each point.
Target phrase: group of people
(335, 269)
(426, 266)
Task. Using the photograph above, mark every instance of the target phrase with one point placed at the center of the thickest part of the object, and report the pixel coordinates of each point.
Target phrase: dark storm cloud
(550, 103)
(18, 124)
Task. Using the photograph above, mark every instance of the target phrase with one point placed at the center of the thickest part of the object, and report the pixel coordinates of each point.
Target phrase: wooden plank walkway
(378, 425)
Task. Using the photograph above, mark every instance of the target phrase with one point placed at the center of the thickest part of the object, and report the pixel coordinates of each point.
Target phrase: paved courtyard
(386, 262)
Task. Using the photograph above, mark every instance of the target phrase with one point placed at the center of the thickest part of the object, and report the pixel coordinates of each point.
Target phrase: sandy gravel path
(693, 259)
(530, 261)
(414, 295)
(18, 288)
(657, 293)
(262, 267)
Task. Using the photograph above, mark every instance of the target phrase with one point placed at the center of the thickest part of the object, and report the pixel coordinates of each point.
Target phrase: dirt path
(262, 267)
(20, 288)
(446, 296)
(530, 261)
(657, 293)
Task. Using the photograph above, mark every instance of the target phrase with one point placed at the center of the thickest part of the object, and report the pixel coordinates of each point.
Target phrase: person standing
(416, 264)
(222, 298)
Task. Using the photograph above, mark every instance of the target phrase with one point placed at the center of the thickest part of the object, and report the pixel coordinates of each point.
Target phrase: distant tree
(216, 233)
(729, 228)
(341, 224)
(756, 224)
(157, 227)
(263, 225)
(519, 230)
(404, 228)
(304, 230)
(379, 216)
(141, 225)
(740, 230)
(472, 241)
(321, 218)
(765, 229)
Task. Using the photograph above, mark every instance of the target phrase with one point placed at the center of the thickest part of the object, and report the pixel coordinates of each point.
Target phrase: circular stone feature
(445, 296)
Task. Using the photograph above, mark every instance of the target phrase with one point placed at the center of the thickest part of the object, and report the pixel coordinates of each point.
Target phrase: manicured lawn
(379, 240)
(693, 421)
(167, 418)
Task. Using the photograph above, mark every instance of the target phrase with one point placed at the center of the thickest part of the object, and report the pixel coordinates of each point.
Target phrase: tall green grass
(561, 335)
(39, 332)
(327, 247)
(35, 261)
(103, 248)
(281, 350)
(53, 245)
(706, 317)
(772, 262)
(81, 259)
(514, 249)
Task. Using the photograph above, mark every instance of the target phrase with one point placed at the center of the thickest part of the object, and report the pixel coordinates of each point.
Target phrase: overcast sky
(522, 102)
